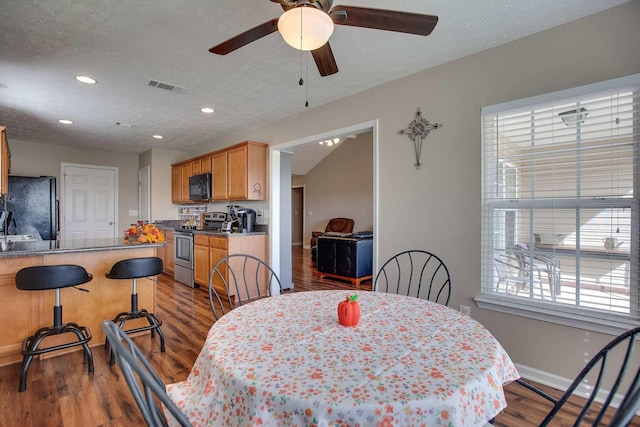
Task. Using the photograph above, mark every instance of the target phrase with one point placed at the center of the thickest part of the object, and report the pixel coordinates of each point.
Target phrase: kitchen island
(23, 312)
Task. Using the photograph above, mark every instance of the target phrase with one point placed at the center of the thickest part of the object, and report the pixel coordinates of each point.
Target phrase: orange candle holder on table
(349, 311)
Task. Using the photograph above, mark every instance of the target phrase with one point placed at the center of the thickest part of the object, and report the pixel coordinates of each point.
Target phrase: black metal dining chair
(143, 381)
(415, 273)
(616, 359)
(240, 278)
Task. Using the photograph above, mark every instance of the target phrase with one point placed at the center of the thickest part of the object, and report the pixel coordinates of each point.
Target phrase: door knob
(110, 222)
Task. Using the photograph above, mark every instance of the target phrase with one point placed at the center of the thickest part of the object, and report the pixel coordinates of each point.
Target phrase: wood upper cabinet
(185, 173)
(219, 164)
(247, 171)
(5, 161)
(201, 165)
(205, 164)
(176, 184)
(238, 173)
(195, 167)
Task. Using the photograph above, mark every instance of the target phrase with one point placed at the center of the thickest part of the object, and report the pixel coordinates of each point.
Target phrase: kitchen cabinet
(176, 184)
(238, 173)
(221, 246)
(218, 249)
(247, 171)
(201, 165)
(205, 165)
(166, 253)
(186, 172)
(5, 161)
(219, 165)
(201, 259)
(180, 174)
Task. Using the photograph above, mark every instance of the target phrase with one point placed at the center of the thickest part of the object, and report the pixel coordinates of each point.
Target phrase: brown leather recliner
(336, 225)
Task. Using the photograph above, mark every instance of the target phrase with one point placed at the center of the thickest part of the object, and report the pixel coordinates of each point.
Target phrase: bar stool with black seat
(56, 277)
(136, 268)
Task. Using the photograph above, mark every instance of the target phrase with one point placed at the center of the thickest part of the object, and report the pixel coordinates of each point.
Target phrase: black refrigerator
(34, 205)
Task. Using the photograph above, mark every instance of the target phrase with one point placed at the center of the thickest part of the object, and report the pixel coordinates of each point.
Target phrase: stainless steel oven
(183, 263)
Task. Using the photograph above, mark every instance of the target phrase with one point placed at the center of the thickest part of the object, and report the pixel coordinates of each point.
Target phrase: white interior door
(144, 194)
(89, 195)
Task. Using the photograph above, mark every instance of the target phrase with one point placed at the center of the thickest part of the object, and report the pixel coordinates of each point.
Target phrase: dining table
(286, 360)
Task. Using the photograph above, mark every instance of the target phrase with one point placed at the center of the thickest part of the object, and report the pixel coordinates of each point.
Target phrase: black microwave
(200, 187)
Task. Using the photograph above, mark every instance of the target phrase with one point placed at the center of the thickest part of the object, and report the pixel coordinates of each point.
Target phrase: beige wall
(439, 204)
(341, 185)
(34, 159)
(160, 161)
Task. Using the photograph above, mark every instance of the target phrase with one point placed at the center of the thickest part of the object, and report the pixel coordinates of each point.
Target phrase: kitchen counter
(24, 312)
(43, 247)
(211, 232)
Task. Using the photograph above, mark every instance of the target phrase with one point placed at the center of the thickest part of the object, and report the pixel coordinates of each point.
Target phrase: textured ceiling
(123, 45)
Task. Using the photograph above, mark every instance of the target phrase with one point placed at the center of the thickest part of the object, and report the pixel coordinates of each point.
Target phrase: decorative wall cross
(418, 129)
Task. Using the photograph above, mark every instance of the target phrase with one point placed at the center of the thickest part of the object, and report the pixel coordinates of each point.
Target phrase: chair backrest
(415, 273)
(143, 381)
(618, 360)
(505, 266)
(240, 278)
(501, 268)
(626, 411)
(340, 225)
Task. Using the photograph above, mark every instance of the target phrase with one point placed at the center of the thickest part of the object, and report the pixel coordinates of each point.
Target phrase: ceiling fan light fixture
(316, 27)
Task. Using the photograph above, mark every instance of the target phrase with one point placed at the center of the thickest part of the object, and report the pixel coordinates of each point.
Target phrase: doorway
(144, 194)
(297, 216)
(281, 219)
(88, 203)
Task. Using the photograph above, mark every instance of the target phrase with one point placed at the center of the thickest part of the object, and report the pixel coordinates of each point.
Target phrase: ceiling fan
(308, 24)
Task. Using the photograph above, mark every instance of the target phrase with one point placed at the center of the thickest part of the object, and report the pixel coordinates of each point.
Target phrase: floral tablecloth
(286, 361)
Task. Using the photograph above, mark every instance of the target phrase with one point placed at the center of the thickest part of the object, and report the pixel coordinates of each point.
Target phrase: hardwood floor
(61, 393)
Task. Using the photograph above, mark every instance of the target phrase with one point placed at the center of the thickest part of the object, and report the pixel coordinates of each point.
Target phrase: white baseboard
(287, 286)
(561, 383)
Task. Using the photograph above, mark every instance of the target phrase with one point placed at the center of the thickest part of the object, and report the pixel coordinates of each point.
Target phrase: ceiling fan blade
(325, 61)
(389, 20)
(245, 38)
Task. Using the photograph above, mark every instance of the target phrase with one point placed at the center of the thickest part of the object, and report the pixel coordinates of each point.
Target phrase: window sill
(606, 326)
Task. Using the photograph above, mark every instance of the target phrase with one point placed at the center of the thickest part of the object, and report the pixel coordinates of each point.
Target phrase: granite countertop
(47, 247)
(209, 232)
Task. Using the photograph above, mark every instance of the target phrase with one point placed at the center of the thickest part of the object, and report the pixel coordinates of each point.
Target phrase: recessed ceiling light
(65, 122)
(158, 136)
(207, 110)
(86, 79)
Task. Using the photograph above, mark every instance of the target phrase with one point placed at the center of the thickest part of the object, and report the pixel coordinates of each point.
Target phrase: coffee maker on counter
(231, 222)
(247, 220)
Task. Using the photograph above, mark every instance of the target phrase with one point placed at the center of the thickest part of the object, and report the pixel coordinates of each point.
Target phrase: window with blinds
(560, 205)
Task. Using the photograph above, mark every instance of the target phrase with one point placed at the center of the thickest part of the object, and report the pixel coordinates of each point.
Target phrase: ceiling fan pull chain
(301, 82)
(306, 88)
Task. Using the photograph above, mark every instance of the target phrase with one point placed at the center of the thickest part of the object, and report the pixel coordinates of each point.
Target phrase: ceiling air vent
(166, 86)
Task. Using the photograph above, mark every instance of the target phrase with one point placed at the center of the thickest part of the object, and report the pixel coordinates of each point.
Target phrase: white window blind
(560, 205)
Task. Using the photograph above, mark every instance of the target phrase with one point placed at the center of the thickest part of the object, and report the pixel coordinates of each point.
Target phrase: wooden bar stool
(45, 277)
(135, 268)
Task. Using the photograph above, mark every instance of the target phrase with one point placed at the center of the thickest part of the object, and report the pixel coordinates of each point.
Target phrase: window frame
(580, 317)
